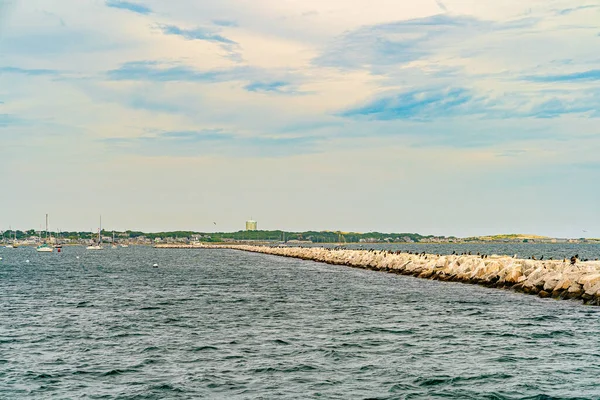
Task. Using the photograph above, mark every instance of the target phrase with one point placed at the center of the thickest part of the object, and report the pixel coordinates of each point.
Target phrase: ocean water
(223, 324)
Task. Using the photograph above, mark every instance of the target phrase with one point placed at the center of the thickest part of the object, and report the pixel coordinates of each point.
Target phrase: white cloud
(289, 141)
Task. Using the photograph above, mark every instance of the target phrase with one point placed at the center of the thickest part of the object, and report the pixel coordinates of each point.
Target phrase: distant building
(251, 225)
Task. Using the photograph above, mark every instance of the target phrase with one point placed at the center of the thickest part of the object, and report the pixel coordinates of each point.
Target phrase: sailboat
(98, 245)
(8, 246)
(114, 245)
(58, 244)
(45, 248)
(14, 243)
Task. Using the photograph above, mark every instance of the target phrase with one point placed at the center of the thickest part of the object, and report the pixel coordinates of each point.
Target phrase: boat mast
(99, 231)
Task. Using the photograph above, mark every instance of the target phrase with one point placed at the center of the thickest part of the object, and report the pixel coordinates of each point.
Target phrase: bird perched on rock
(541, 258)
(574, 259)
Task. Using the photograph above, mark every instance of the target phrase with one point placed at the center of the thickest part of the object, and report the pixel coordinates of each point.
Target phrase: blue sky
(440, 117)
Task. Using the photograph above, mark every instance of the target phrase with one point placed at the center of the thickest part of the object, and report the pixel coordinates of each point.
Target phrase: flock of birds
(572, 260)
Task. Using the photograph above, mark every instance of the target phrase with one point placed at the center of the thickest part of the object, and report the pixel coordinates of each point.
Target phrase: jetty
(559, 279)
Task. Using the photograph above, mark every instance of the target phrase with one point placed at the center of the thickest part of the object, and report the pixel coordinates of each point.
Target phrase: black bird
(533, 257)
(573, 260)
(541, 258)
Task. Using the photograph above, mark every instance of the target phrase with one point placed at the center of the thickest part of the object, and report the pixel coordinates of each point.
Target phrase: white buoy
(78, 257)
(26, 261)
(155, 265)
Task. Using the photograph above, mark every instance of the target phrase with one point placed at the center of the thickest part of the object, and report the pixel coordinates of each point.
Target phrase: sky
(442, 117)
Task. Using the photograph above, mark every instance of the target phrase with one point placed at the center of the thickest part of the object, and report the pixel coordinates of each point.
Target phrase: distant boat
(98, 245)
(14, 244)
(58, 244)
(114, 245)
(124, 245)
(45, 247)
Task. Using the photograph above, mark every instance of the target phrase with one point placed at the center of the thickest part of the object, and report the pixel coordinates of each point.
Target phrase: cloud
(556, 107)
(157, 72)
(591, 75)
(418, 105)
(225, 22)
(196, 136)
(279, 87)
(255, 79)
(441, 5)
(429, 104)
(567, 11)
(56, 17)
(398, 43)
(211, 142)
(29, 72)
(196, 34)
(125, 5)
(231, 47)
(7, 120)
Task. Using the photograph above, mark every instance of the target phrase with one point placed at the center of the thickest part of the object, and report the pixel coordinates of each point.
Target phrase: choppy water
(227, 324)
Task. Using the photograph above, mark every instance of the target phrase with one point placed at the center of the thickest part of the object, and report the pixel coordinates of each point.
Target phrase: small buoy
(155, 265)
(78, 257)
(26, 261)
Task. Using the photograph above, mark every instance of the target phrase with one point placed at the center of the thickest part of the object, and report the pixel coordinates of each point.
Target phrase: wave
(205, 348)
(114, 372)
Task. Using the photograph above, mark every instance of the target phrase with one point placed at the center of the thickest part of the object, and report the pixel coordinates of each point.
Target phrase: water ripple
(226, 324)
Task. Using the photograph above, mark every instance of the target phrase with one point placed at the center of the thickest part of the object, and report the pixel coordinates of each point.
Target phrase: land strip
(559, 279)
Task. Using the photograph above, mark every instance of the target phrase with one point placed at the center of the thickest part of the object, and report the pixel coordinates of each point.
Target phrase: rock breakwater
(560, 279)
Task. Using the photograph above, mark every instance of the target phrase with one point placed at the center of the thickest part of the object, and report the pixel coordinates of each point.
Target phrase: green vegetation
(278, 235)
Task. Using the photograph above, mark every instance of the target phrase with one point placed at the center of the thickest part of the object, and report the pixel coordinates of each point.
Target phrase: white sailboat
(14, 244)
(114, 245)
(45, 247)
(8, 246)
(98, 245)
